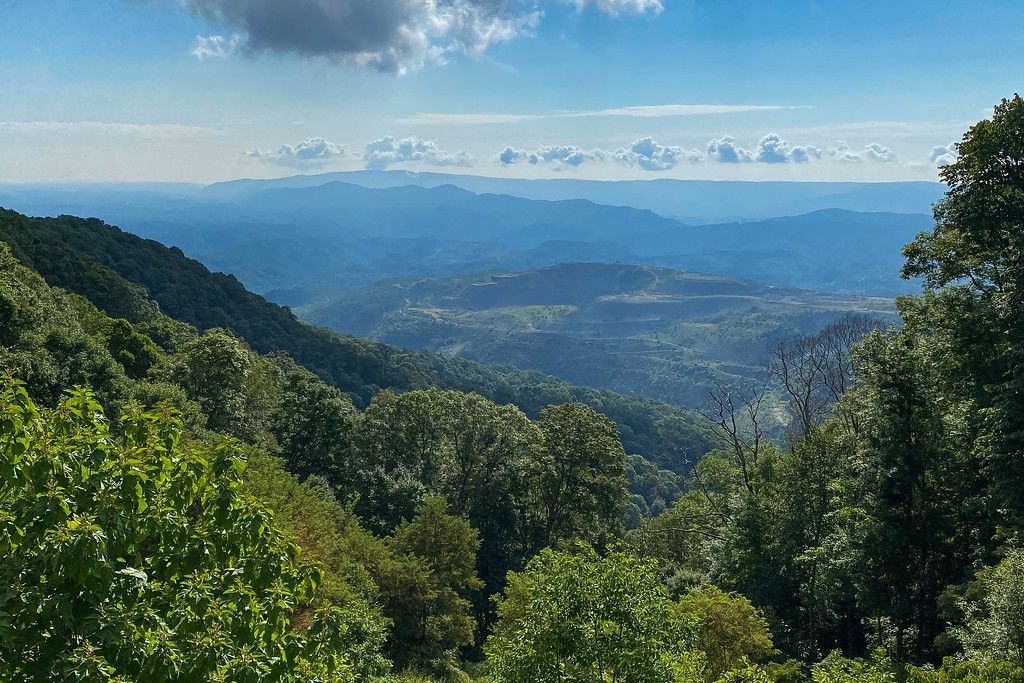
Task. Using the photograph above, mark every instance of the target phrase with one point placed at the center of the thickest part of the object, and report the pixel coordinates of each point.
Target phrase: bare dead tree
(735, 417)
(798, 365)
(837, 339)
(816, 371)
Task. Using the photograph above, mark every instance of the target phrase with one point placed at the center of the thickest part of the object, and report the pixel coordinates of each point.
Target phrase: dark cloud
(387, 35)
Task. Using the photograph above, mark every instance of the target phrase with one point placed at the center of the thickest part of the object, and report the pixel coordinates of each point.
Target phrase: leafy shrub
(130, 555)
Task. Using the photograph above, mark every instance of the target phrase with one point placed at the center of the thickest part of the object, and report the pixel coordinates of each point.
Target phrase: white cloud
(651, 156)
(726, 150)
(205, 47)
(511, 155)
(644, 152)
(565, 155)
(309, 152)
(389, 150)
(557, 157)
(639, 111)
(801, 154)
(842, 152)
(943, 155)
(877, 152)
(145, 130)
(617, 7)
(772, 149)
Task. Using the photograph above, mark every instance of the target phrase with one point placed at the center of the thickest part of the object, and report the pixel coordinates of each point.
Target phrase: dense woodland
(194, 486)
(125, 276)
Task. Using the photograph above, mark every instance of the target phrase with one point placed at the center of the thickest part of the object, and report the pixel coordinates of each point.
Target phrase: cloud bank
(309, 152)
(383, 35)
(389, 150)
(646, 153)
(650, 155)
(842, 152)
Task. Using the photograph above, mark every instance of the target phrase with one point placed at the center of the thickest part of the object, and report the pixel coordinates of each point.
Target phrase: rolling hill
(638, 330)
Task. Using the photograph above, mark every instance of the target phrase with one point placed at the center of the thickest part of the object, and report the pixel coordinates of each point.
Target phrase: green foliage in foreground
(581, 618)
(994, 628)
(130, 555)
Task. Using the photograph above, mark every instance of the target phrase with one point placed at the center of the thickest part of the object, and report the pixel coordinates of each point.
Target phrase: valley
(638, 330)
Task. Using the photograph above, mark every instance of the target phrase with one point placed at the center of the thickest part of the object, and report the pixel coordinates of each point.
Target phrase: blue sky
(204, 90)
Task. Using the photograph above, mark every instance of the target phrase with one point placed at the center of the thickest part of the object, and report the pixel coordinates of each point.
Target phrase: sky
(208, 90)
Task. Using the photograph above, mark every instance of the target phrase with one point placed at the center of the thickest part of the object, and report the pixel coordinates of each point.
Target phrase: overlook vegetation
(195, 486)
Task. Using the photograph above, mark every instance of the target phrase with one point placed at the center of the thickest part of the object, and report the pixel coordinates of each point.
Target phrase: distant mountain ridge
(705, 201)
(275, 237)
(693, 201)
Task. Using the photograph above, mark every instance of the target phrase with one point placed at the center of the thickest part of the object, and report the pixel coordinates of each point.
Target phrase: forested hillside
(117, 271)
(180, 504)
(458, 491)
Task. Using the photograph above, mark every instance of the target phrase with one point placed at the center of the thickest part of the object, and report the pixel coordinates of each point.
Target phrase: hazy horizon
(210, 90)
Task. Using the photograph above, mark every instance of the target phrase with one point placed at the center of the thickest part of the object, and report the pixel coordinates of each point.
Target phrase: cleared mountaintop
(635, 329)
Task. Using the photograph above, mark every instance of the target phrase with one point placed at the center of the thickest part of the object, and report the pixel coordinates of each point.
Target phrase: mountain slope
(86, 256)
(829, 250)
